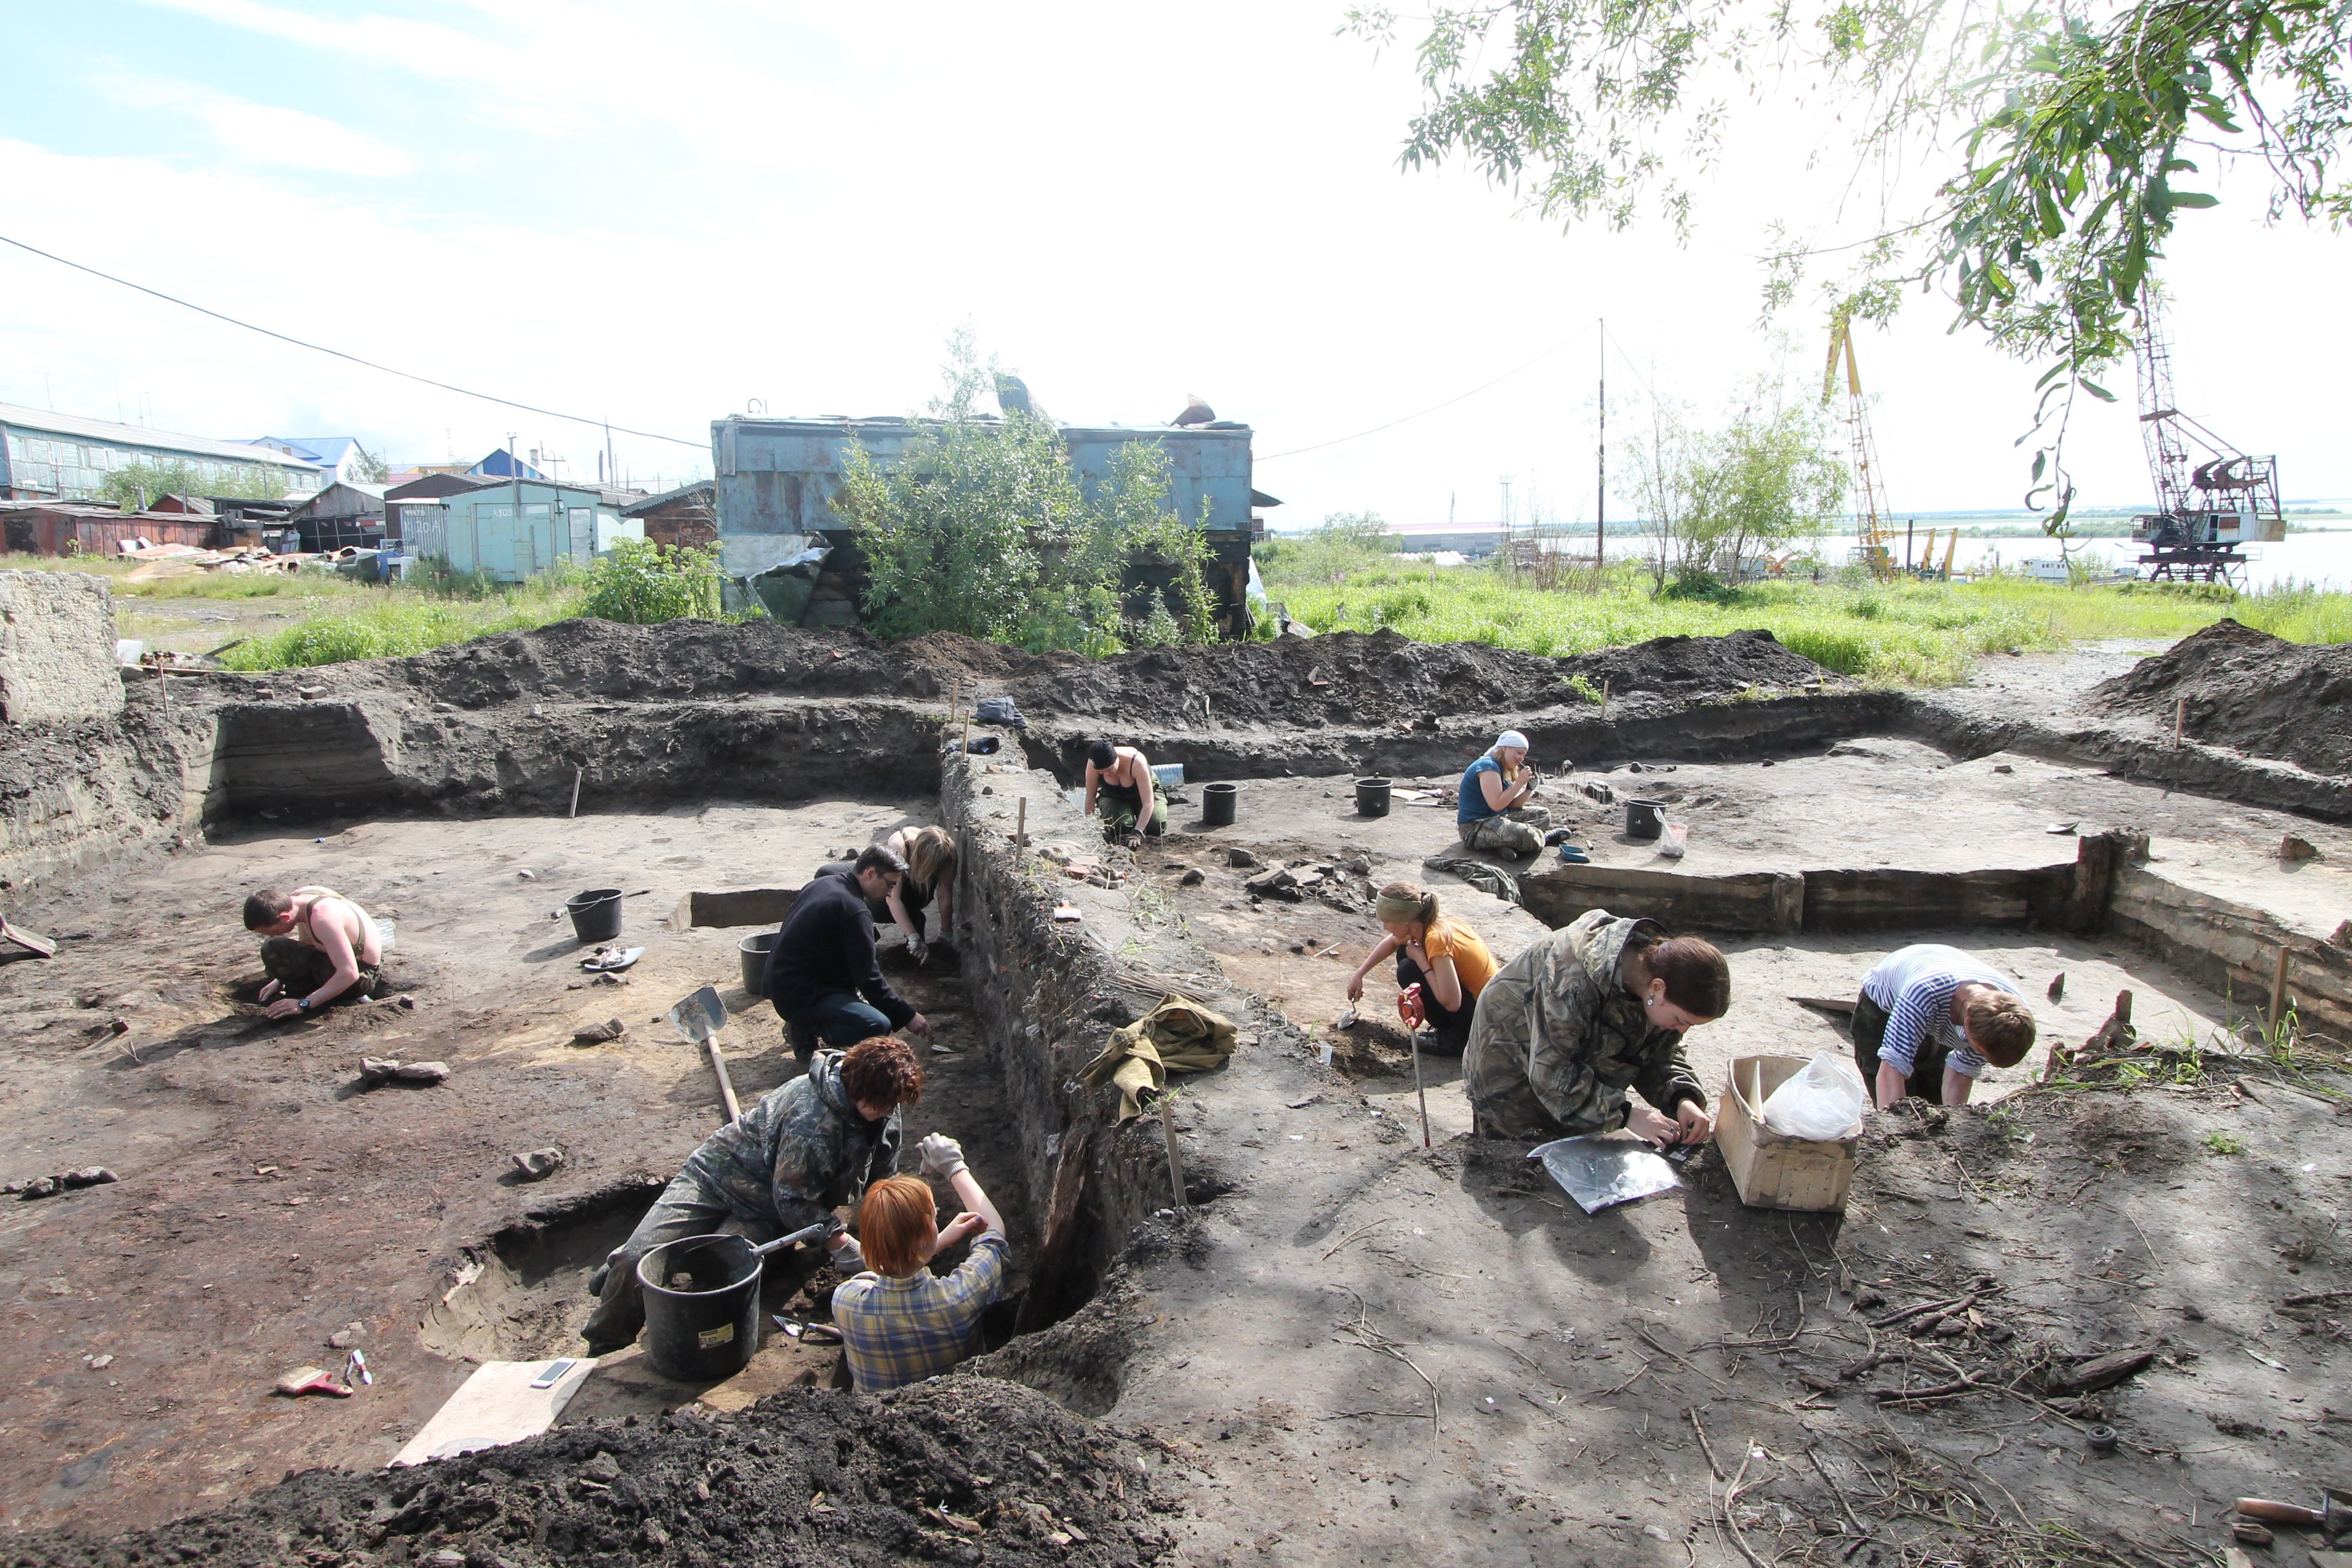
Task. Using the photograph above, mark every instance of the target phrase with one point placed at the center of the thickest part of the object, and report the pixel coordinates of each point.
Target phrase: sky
(661, 215)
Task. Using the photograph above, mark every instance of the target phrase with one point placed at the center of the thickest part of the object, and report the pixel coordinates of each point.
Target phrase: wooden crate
(1771, 1170)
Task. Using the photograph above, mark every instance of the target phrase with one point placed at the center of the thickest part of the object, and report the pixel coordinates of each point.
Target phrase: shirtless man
(317, 946)
(1122, 776)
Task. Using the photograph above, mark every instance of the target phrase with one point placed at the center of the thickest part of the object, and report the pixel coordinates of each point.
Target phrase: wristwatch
(303, 1003)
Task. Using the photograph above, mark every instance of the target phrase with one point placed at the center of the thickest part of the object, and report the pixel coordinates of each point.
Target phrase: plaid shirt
(904, 1329)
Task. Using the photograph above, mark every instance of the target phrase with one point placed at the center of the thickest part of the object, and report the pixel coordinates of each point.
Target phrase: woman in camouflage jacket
(1599, 1005)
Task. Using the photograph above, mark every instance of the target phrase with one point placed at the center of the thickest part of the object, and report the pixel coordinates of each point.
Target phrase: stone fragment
(1193, 878)
(599, 1034)
(537, 1164)
(1239, 858)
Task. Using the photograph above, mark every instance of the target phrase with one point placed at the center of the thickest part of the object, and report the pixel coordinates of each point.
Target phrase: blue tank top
(1474, 806)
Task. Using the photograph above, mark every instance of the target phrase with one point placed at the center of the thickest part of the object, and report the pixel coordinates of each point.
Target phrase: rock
(1239, 858)
(2342, 935)
(1193, 878)
(2058, 987)
(537, 1164)
(1594, 789)
(36, 1187)
(1356, 865)
(88, 1176)
(347, 1336)
(2292, 848)
(528, 876)
(602, 1468)
(599, 1034)
(1279, 883)
(421, 1072)
(2002, 768)
(100, 1362)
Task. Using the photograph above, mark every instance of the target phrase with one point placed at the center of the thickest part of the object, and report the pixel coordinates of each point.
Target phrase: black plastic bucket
(707, 1327)
(755, 949)
(596, 914)
(1644, 818)
(1217, 803)
(1372, 797)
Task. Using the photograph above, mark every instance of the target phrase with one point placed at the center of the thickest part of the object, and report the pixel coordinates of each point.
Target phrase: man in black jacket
(823, 961)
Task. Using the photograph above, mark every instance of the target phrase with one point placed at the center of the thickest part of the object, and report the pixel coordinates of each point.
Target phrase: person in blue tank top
(1493, 814)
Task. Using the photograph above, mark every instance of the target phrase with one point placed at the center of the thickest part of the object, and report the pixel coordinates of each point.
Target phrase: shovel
(700, 1017)
(26, 940)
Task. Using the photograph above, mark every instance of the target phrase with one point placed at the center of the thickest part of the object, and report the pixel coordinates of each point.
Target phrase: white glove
(847, 1255)
(940, 1155)
(919, 949)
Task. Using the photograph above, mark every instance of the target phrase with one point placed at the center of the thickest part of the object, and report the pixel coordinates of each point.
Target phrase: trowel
(700, 1017)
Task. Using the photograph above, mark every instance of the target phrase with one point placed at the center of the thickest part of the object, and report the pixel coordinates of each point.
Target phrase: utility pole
(1600, 469)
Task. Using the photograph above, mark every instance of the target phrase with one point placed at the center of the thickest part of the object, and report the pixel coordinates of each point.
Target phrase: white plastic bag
(1824, 1103)
(1674, 841)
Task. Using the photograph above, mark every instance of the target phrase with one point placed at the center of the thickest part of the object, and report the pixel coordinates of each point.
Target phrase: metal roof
(74, 427)
(653, 503)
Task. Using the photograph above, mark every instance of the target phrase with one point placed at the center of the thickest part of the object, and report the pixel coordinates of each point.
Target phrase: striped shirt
(1915, 984)
(900, 1329)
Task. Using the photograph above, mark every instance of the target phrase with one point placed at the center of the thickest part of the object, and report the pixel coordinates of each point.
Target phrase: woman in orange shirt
(1445, 958)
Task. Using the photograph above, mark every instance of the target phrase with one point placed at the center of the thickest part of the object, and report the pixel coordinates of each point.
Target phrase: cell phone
(555, 1373)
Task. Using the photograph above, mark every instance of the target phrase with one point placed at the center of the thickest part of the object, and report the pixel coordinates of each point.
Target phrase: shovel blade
(700, 1015)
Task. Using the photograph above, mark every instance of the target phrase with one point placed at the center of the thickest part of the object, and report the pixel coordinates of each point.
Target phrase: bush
(643, 584)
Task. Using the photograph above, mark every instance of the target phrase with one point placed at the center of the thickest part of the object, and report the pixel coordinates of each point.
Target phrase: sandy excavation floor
(267, 1202)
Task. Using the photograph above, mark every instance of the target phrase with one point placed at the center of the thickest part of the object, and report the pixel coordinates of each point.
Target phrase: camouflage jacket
(1558, 1039)
(800, 1153)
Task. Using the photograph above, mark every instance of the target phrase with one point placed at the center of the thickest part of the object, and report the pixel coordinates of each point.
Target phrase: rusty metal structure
(2211, 499)
(1874, 518)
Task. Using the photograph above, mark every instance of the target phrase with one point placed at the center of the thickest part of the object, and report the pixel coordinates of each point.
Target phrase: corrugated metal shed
(62, 528)
(44, 453)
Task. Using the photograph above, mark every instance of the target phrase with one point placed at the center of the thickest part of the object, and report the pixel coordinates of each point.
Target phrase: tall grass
(398, 622)
(1908, 634)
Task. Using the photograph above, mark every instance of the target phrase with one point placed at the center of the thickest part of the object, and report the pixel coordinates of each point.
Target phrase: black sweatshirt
(826, 945)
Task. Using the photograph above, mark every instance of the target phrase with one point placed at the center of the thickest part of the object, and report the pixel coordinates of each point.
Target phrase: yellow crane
(1874, 520)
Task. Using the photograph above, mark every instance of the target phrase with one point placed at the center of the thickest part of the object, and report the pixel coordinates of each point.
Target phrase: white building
(46, 456)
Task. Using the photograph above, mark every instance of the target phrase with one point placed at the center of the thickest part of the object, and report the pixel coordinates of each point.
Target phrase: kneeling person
(1931, 1019)
(318, 946)
(823, 975)
(1121, 779)
(1493, 814)
(901, 1322)
(808, 1147)
(1446, 959)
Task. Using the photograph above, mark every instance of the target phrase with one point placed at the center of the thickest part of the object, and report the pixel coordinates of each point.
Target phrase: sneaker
(1430, 1042)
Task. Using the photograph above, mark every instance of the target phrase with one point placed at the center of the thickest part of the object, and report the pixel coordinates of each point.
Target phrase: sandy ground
(268, 1201)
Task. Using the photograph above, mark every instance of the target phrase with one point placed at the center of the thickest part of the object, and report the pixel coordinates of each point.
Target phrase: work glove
(920, 949)
(940, 1155)
(848, 1256)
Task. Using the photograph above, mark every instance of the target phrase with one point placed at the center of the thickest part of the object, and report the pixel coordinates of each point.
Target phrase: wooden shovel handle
(719, 1071)
(2279, 1512)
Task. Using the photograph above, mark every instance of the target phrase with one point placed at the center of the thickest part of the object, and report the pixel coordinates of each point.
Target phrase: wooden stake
(1421, 1093)
(576, 773)
(2180, 720)
(1175, 1160)
(1605, 698)
(1021, 823)
(2278, 991)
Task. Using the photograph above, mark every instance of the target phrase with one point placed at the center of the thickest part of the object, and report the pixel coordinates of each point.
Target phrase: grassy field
(277, 620)
(1919, 634)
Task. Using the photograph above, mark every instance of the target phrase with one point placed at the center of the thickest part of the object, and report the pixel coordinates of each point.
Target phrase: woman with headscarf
(1445, 958)
(1585, 1012)
(1493, 814)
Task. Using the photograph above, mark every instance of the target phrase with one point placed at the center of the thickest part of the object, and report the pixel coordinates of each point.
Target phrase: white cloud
(261, 133)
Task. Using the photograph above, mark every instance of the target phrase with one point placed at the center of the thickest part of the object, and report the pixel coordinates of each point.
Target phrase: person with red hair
(806, 1148)
(901, 1322)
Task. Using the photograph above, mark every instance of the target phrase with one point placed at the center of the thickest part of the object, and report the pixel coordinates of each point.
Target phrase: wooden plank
(1894, 899)
(1772, 901)
(736, 907)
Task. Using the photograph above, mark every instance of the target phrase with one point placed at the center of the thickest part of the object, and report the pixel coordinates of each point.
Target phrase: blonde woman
(1446, 959)
(930, 856)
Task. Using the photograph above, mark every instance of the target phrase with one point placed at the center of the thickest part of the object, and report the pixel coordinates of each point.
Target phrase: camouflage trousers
(1518, 832)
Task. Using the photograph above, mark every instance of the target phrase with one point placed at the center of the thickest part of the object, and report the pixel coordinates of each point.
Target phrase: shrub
(644, 584)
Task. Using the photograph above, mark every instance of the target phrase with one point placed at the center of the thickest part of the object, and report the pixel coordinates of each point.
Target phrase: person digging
(931, 856)
(1119, 779)
(901, 1322)
(1448, 961)
(318, 946)
(1493, 814)
(809, 1147)
(823, 975)
(1585, 1012)
(1928, 1022)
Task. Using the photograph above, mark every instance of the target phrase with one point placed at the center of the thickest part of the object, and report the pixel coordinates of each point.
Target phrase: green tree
(980, 526)
(643, 584)
(135, 484)
(1343, 543)
(2072, 131)
(1717, 500)
(370, 468)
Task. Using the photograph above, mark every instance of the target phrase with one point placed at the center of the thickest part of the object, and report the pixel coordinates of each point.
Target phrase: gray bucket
(754, 950)
(1372, 797)
(596, 914)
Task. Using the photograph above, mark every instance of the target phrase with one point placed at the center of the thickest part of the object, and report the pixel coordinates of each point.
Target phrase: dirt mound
(1348, 678)
(2267, 697)
(960, 1469)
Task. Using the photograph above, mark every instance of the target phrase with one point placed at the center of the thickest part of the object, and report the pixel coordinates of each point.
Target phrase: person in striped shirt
(1931, 1019)
(901, 1322)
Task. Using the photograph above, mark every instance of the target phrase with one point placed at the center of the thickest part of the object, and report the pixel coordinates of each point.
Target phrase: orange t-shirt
(1473, 964)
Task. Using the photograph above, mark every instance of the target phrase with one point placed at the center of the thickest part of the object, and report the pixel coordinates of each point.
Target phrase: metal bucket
(1644, 818)
(754, 950)
(1372, 797)
(707, 1329)
(596, 914)
(1217, 801)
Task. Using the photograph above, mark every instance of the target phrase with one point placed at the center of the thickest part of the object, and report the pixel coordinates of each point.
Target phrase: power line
(354, 358)
(1434, 407)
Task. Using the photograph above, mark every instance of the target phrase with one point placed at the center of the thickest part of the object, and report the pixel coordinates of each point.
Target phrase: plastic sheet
(1601, 1172)
(1824, 1103)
